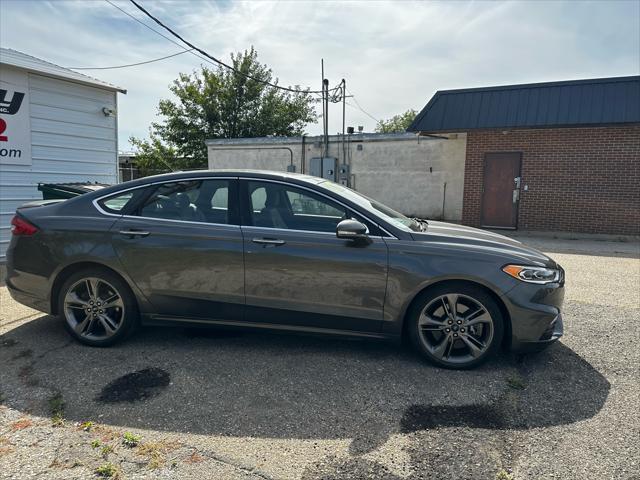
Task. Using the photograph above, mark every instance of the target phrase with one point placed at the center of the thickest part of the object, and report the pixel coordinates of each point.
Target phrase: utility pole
(344, 98)
(325, 87)
(324, 112)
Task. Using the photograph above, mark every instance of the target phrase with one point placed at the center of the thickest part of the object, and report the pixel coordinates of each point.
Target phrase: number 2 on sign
(3, 127)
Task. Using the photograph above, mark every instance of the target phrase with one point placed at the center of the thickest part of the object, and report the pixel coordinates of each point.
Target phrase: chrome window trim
(138, 187)
(254, 228)
(254, 179)
(183, 221)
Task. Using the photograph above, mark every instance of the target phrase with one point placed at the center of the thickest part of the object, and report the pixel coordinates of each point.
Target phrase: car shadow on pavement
(284, 386)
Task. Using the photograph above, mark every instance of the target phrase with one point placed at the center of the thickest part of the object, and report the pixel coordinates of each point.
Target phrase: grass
(156, 453)
(130, 440)
(86, 426)
(106, 450)
(56, 407)
(108, 470)
(95, 444)
(504, 475)
(516, 382)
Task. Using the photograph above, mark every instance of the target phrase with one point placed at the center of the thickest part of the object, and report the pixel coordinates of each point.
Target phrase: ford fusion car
(279, 251)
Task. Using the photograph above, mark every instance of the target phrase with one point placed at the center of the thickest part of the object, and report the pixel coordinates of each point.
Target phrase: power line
(219, 62)
(359, 107)
(132, 64)
(157, 32)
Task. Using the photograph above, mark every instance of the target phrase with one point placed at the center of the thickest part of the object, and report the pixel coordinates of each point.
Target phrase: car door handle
(268, 241)
(134, 233)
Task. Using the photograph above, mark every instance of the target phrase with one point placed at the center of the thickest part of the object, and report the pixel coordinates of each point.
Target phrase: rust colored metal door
(501, 190)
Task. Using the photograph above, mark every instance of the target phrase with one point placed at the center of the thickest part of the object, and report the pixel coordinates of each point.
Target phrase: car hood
(483, 241)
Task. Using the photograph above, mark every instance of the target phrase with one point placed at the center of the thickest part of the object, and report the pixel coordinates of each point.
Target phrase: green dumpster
(63, 191)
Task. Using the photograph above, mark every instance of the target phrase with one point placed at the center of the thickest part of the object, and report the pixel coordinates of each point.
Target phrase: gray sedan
(275, 251)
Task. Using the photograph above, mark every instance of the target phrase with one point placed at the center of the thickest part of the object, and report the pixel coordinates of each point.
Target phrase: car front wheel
(98, 307)
(456, 326)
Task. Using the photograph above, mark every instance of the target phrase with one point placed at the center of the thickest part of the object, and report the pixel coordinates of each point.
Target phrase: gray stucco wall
(403, 171)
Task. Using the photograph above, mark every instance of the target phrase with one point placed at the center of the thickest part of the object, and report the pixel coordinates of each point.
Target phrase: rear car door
(297, 272)
(182, 246)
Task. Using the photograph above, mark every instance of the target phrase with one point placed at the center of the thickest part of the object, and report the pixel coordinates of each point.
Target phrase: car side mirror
(350, 229)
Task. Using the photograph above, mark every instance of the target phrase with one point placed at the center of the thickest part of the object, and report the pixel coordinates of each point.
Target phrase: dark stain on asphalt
(136, 386)
(26, 353)
(27, 375)
(425, 417)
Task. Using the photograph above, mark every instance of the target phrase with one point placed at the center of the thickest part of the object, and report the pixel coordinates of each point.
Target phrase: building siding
(583, 180)
(71, 141)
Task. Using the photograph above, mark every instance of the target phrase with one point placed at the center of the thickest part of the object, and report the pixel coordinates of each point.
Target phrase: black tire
(127, 307)
(427, 338)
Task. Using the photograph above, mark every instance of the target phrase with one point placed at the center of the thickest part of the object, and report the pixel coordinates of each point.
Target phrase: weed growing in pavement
(156, 452)
(86, 426)
(108, 470)
(95, 443)
(504, 475)
(516, 382)
(130, 440)
(106, 450)
(56, 407)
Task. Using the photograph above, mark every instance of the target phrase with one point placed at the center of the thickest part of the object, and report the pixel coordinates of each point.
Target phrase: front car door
(297, 272)
(182, 246)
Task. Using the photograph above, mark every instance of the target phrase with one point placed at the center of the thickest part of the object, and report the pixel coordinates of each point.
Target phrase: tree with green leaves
(220, 103)
(397, 123)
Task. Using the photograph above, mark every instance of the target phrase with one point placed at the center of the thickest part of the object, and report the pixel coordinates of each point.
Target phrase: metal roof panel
(597, 101)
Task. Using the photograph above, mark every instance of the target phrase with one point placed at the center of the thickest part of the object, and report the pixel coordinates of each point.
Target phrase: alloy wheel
(456, 328)
(94, 309)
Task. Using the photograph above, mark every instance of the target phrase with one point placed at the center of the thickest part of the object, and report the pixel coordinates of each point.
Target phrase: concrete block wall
(405, 172)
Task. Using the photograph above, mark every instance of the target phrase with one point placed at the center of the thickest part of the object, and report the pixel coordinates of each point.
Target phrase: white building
(56, 126)
(417, 176)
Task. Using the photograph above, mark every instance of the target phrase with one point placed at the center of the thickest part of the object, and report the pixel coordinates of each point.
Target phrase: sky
(393, 55)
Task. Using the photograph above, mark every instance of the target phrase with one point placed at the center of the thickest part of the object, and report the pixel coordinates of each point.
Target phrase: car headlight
(533, 274)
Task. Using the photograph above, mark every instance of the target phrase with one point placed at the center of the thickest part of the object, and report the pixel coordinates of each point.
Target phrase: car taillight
(19, 226)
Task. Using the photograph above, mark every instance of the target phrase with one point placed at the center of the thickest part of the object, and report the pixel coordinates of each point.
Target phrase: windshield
(388, 214)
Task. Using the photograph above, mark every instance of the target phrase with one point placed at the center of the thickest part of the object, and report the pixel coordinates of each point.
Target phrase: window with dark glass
(203, 201)
(277, 205)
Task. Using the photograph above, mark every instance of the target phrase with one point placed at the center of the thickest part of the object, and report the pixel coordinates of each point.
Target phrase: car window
(117, 203)
(396, 218)
(277, 205)
(203, 201)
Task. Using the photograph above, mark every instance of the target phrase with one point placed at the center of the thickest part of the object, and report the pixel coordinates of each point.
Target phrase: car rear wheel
(98, 307)
(456, 326)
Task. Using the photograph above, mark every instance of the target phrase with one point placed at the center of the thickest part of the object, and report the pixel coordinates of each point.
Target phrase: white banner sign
(15, 131)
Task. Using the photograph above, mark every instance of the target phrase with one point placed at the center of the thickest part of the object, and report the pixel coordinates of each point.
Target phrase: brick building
(559, 156)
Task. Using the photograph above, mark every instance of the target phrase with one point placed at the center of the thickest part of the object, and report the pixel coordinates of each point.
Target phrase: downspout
(303, 154)
(444, 197)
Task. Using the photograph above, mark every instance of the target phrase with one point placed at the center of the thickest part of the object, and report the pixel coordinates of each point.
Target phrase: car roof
(186, 174)
(253, 173)
(269, 174)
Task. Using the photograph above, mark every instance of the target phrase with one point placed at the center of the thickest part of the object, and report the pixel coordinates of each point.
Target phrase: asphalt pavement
(211, 404)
